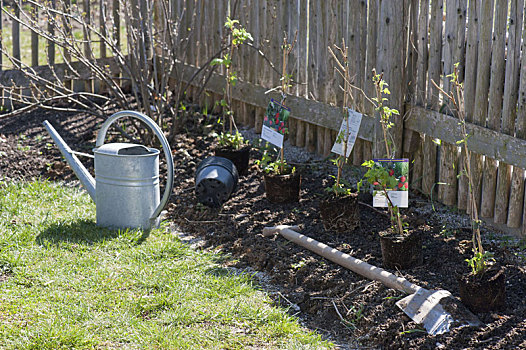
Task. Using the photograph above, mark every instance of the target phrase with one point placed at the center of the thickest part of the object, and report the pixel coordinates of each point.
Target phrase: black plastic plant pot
(240, 157)
(340, 213)
(484, 292)
(215, 180)
(283, 188)
(402, 252)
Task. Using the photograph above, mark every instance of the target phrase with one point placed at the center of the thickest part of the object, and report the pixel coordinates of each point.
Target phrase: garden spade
(436, 310)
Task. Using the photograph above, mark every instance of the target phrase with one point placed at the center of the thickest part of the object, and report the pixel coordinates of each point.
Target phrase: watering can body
(127, 185)
(126, 188)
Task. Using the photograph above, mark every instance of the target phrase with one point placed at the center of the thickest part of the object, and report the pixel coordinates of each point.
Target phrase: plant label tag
(398, 190)
(275, 123)
(349, 128)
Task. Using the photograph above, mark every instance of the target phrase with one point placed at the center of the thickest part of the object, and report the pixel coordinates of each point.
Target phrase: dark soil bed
(350, 310)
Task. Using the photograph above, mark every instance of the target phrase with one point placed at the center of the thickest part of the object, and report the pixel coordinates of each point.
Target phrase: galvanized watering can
(126, 185)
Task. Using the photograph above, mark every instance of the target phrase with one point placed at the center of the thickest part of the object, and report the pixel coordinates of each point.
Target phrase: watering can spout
(78, 168)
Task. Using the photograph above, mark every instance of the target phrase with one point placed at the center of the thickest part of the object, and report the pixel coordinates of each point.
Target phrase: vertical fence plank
(329, 141)
(249, 59)
(255, 59)
(320, 139)
(303, 47)
(496, 89)
(200, 28)
(434, 71)
(316, 71)
(276, 42)
(34, 37)
(294, 61)
(482, 90)
(103, 28)
(303, 63)
(50, 44)
(390, 61)
(116, 23)
(86, 34)
(310, 137)
(470, 79)
(435, 53)
(412, 140)
(66, 8)
(370, 63)
(190, 31)
(509, 111)
(356, 27)
(16, 31)
(303, 66)
(333, 92)
(314, 18)
(87, 40)
(516, 205)
(454, 39)
(263, 68)
(517, 195)
(419, 96)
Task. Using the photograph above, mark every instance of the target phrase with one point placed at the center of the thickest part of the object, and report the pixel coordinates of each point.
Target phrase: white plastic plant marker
(350, 126)
(436, 310)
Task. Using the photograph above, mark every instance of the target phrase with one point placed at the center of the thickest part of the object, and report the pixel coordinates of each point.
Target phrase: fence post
(390, 62)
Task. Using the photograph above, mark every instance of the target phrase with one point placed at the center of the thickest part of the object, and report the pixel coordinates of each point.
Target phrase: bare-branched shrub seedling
(480, 259)
(236, 35)
(340, 187)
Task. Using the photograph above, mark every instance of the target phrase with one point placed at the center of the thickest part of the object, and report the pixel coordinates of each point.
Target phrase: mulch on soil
(352, 311)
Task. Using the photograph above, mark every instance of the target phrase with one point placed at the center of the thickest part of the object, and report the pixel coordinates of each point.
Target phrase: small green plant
(479, 261)
(231, 140)
(236, 36)
(20, 144)
(447, 232)
(270, 166)
(299, 264)
(339, 187)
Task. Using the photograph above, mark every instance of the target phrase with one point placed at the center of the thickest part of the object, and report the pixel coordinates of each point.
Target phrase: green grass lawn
(67, 284)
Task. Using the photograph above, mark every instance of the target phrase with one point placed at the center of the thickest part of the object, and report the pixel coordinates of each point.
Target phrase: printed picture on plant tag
(397, 183)
(275, 123)
(348, 130)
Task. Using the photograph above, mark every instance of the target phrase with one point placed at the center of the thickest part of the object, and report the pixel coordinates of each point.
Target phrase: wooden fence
(413, 42)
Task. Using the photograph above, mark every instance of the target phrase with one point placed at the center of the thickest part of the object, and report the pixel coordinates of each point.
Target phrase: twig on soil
(292, 305)
(343, 320)
(321, 298)
(202, 221)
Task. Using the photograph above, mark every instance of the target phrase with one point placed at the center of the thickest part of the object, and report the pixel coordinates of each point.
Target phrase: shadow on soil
(86, 232)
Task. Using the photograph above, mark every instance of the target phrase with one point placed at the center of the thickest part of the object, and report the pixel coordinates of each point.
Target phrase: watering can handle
(164, 142)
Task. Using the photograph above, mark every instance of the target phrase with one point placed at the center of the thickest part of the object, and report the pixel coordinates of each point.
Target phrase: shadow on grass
(87, 232)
